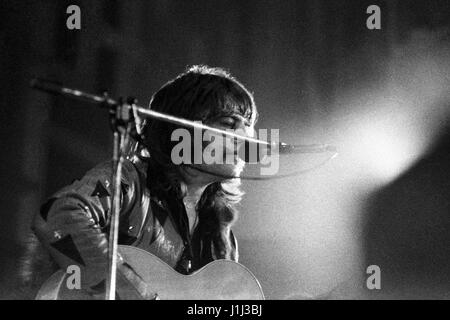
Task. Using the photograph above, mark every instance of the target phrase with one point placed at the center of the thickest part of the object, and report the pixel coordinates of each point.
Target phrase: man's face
(220, 153)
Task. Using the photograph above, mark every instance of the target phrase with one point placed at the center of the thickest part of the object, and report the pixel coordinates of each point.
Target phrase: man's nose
(243, 130)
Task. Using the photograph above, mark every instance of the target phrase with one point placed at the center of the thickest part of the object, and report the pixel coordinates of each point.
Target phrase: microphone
(252, 152)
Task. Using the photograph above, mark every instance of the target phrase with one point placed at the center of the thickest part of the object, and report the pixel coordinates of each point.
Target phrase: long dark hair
(201, 94)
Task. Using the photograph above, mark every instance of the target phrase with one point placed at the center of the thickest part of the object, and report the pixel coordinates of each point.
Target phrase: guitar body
(218, 280)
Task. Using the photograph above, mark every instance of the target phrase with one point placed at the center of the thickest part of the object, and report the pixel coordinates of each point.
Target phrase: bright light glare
(386, 142)
(387, 153)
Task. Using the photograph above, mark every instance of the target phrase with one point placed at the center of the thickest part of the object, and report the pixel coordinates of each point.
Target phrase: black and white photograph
(225, 150)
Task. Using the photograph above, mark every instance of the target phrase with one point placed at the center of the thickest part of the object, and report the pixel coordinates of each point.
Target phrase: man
(181, 213)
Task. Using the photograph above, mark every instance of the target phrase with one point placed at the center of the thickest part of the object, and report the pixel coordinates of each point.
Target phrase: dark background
(318, 75)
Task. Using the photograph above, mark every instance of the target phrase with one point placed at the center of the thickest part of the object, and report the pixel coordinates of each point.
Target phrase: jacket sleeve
(73, 226)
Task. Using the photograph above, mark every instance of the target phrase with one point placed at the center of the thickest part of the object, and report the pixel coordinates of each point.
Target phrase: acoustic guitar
(218, 280)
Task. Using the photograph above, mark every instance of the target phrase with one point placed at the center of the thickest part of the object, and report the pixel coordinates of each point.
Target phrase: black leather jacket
(73, 226)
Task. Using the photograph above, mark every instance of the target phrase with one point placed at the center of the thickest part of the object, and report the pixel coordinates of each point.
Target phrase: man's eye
(228, 121)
